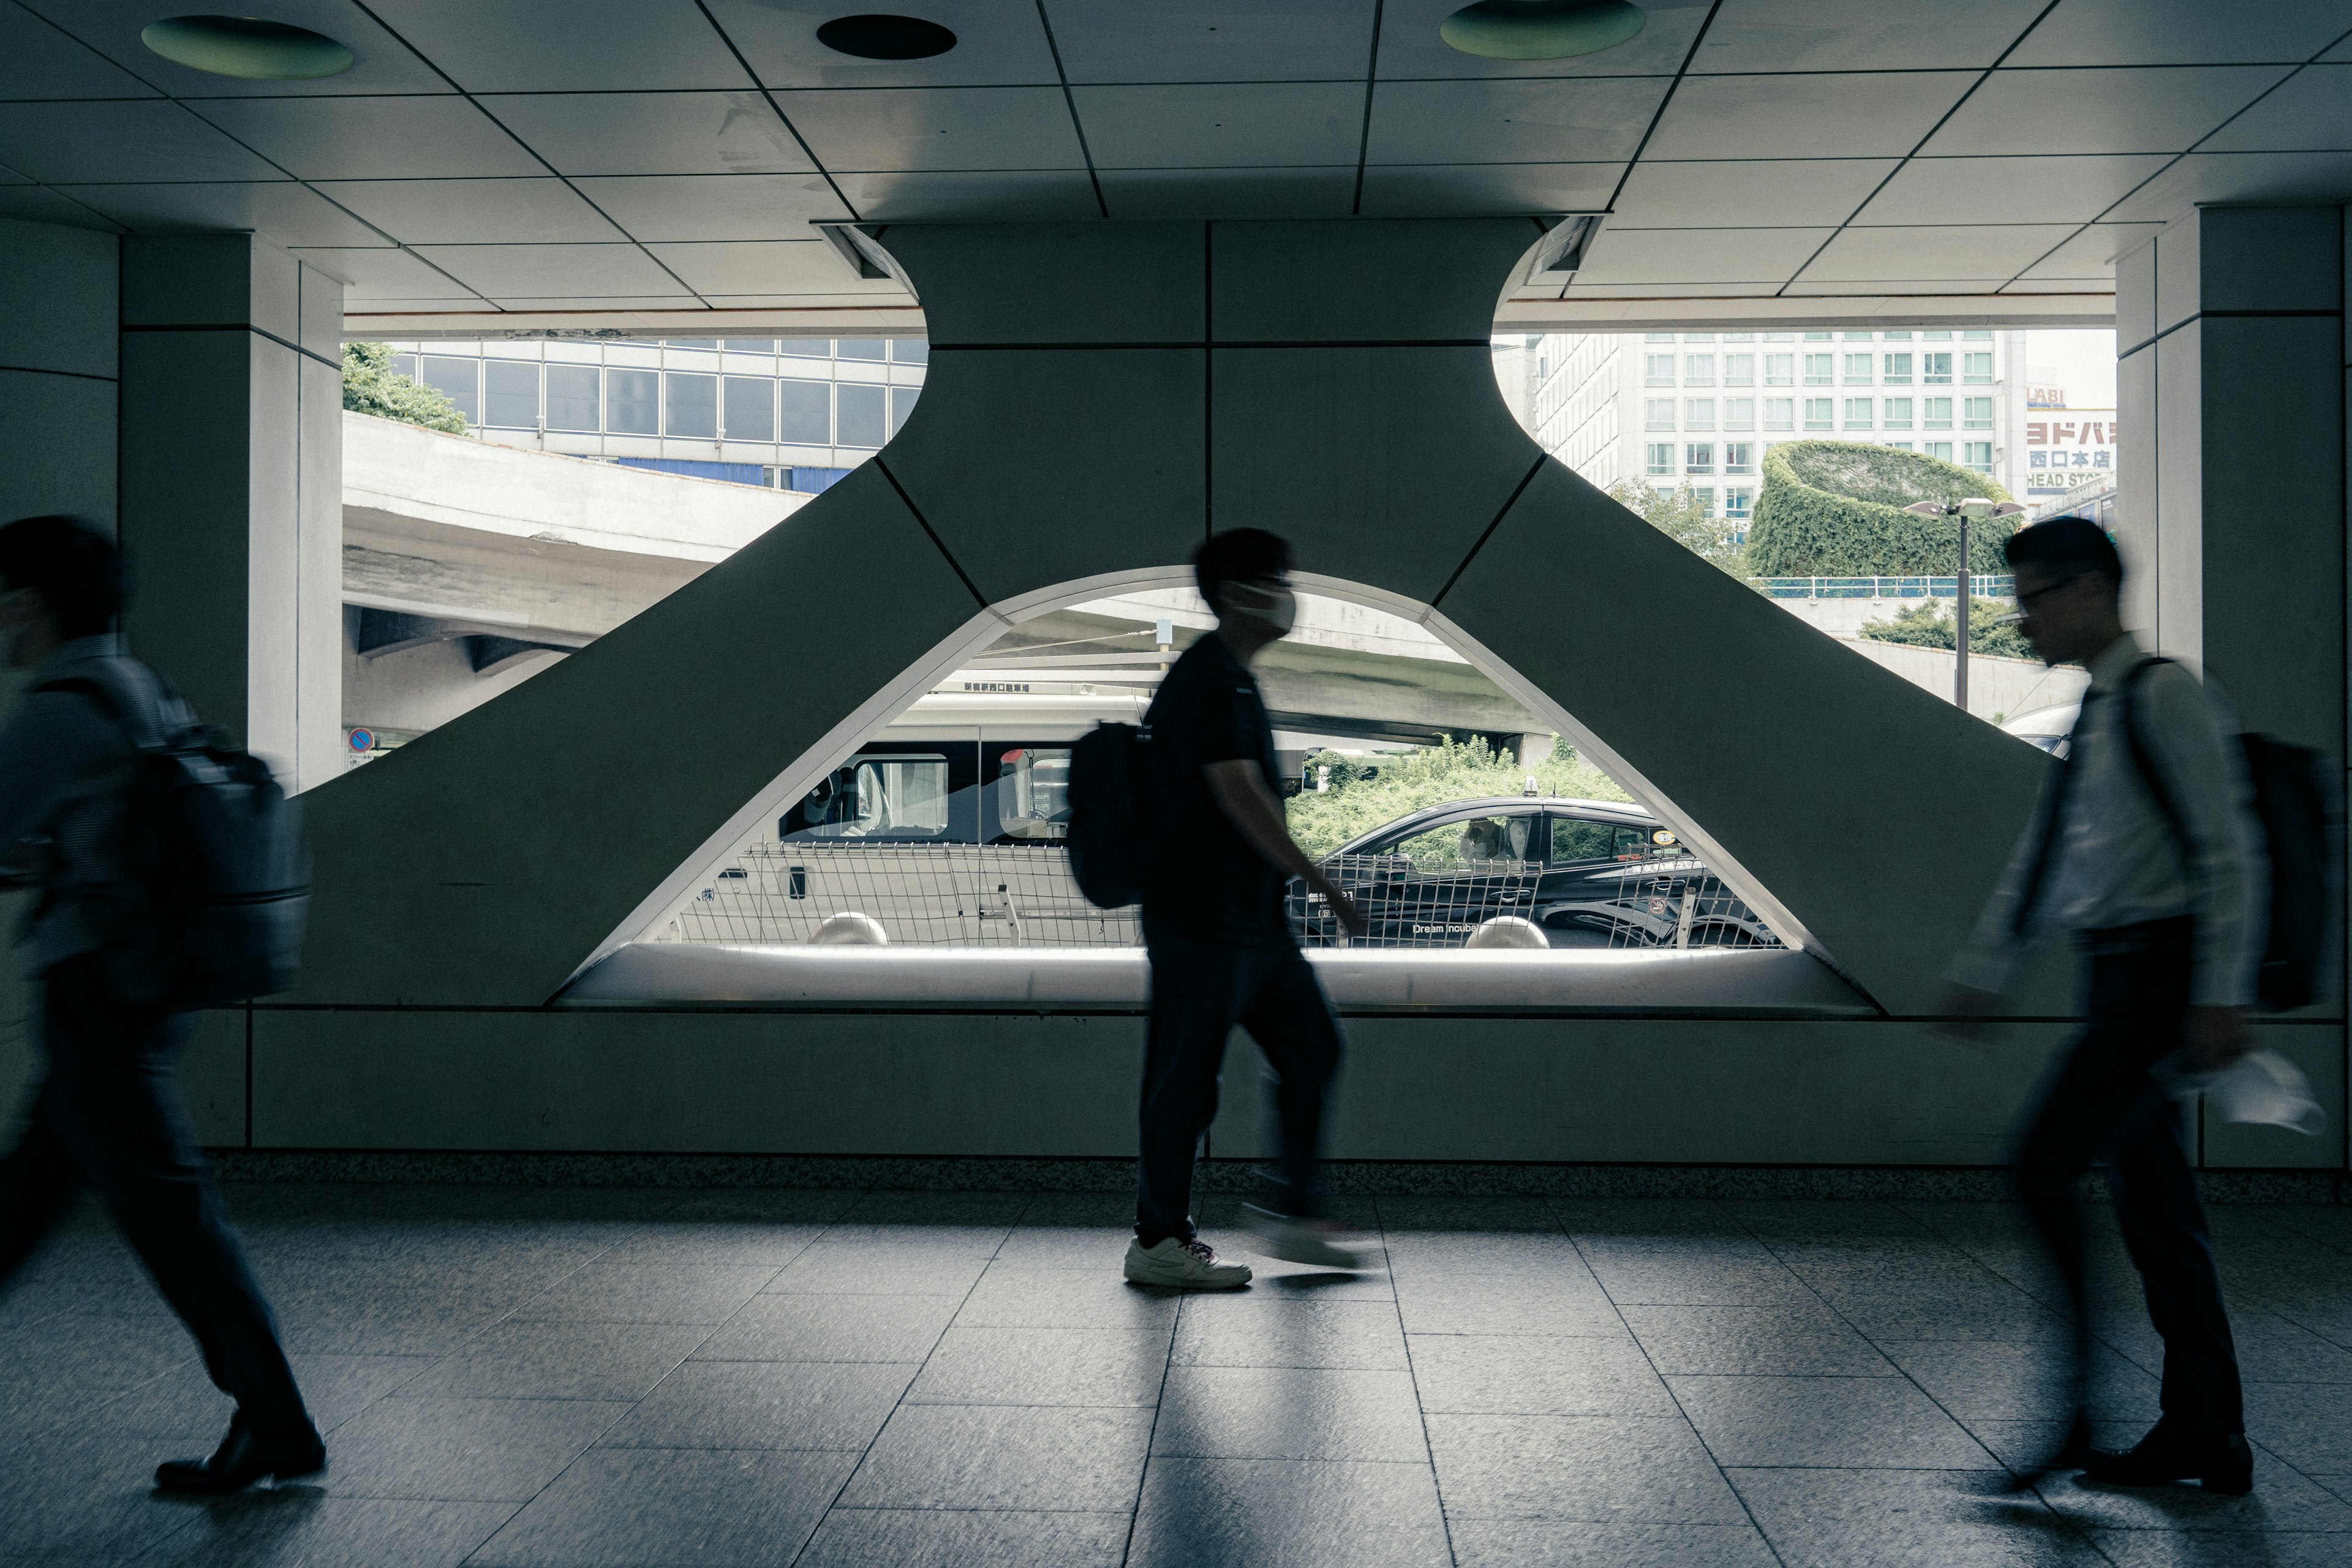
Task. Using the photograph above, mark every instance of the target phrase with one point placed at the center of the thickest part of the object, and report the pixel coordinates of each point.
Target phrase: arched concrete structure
(1101, 396)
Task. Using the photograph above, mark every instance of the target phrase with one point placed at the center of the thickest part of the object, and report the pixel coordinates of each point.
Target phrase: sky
(2084, 363)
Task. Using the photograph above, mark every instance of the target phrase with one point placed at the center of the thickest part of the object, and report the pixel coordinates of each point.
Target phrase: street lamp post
(1975, 509)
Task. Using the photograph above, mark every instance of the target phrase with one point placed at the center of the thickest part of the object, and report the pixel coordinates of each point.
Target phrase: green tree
(372, 386)
(1928, 625)
(1682, 517)
(1367, 791)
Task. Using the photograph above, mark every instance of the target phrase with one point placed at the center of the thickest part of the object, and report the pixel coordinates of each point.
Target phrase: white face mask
(1277, 608)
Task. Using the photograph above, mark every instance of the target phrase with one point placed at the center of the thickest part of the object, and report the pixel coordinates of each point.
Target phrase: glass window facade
(633, 402)
(511, 393)
(460, 378)
(693, 406)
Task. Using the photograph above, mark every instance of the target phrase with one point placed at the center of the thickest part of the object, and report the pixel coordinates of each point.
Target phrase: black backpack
(2297, 801)
(1110, 814)
(217, 878)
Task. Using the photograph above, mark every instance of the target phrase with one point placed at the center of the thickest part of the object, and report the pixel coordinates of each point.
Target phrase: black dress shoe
(2220, 1461)
(244, 1456)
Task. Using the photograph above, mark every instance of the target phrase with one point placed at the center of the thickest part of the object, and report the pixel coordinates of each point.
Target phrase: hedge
(1834, 508)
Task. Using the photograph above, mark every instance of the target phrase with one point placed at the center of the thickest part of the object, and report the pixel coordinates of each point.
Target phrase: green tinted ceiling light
(1540, 30)
(246, 46)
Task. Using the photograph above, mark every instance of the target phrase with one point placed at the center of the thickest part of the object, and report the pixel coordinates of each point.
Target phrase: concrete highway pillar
(231, 487)
(2230, 392)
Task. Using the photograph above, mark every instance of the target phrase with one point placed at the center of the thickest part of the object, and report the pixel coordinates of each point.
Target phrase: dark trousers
(1199, 992)
(2104, 1105)
(110, 1119)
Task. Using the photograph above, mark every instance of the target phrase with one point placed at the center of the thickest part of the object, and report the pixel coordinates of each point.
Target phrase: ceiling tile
(1795, 192)
(473, 212)
(41, 205)
(2097, 288)
(1822, 288)
(39, 60)
(1635, 255)
(551, 271)
(288, 212)
(70, 144)
(954, 127)
(381, 63)
(2181, 32)
(1582, 120)
(2158, 109)
(1862, 35)
(1013, 196)
(1871, 116)
(2310, 111)
(417, 138)
(1217, 125)
(996, 45)
(893, 299)
(1965, 250)
(768, 267)
(2204, 177)
(2007, 190)
(2091, 253)
(567, 304)
(1411, 48)
(1669, 290)
(1299, 40)
(385, 275)
(566, 46)
(1487, 190)
(1230, 193)
(653, 133)
(716, 207)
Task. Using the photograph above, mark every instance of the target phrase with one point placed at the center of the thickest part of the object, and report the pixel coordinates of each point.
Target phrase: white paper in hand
(2264, 1087)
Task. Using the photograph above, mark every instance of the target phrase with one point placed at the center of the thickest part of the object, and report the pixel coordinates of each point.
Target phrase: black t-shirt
(1207, 883)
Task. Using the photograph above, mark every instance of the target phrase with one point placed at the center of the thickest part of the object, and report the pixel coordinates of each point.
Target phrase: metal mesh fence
(1022, 895)
(920, 895)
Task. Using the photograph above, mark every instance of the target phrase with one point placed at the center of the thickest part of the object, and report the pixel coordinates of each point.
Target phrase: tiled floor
(553, 1376)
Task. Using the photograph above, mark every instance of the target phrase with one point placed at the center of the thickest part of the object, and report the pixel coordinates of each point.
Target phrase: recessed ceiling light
(246, 46)
(1540, 30)
(881, 37)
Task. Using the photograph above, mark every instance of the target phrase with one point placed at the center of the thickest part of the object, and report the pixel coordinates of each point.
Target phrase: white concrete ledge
(1743, 983)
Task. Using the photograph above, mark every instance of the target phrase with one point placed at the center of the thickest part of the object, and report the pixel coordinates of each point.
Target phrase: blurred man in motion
(2143, 849)
(1220, 942)
(109, 1116)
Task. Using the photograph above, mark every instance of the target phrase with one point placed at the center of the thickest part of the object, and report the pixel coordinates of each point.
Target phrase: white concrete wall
(1998, 688)
(405, 471)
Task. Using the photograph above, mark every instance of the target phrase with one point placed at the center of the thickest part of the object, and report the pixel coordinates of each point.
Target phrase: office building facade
(1667, 409)
(792, 414)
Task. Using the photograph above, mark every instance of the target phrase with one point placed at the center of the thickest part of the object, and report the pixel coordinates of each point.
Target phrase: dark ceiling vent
(880, 38)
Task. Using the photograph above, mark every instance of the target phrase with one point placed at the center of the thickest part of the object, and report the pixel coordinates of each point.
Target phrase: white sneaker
(1183, 1265)
(1296, 1240)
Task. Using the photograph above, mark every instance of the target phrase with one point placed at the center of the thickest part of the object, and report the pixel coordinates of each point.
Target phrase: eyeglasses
(2025, 598)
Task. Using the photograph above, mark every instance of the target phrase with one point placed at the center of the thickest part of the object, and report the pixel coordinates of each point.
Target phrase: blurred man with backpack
(2145, 849)
(1220, 942)
(108, 1117)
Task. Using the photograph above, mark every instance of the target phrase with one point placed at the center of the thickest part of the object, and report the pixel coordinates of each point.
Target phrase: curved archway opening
(917, 853)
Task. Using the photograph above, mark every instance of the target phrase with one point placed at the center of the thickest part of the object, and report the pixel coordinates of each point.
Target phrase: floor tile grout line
(1700, 1437)
(900, 1403)
(2082, 1531)
(1158, 1404)
(1412, 1372)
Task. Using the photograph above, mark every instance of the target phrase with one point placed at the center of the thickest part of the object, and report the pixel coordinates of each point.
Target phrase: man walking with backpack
(109, 1116)
(2144, 849)
(1220, 941)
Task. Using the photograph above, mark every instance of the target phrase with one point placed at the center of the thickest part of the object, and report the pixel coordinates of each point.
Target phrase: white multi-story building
(795, 415)
(1701, 408)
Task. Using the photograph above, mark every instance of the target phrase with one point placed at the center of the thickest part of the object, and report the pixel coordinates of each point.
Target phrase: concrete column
(2230, 392)
(231, 488)
(57, 398)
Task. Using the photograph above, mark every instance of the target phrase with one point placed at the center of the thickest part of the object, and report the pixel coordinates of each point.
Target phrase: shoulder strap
(92, 690)
(2140, 758)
